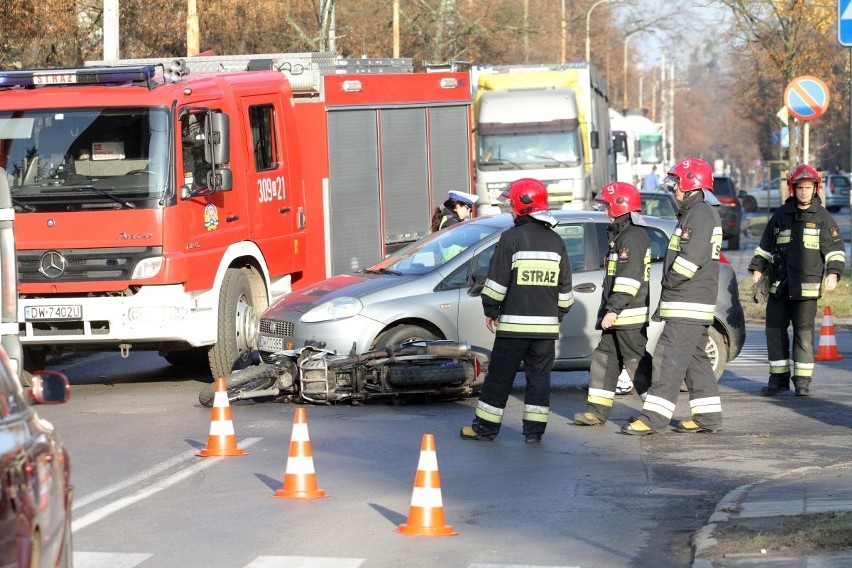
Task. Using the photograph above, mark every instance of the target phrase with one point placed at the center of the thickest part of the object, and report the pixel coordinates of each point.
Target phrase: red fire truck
(162, 205)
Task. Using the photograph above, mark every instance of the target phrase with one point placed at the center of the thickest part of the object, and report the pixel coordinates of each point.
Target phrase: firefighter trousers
(780, 313)
(681, 354)
(617, 348)
(537, 355)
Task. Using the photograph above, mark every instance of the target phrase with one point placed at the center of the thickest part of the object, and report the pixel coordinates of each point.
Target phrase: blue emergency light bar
(79, 76)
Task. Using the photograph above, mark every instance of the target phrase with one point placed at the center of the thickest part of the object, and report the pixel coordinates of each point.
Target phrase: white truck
(646, 140)
(621, 146)
(549, 122)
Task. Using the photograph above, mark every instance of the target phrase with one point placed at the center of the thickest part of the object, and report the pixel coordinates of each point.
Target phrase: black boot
(802, 385)
(777, 384)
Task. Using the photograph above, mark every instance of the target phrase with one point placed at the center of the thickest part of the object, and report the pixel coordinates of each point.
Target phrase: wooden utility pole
(193, 41)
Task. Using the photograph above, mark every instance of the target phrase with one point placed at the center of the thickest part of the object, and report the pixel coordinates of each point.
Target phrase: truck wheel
(251, 378)
(717, 350)
(402, 333)
(241, 302)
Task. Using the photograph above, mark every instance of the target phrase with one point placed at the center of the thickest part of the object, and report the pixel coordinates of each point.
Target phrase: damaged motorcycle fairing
(315, 375)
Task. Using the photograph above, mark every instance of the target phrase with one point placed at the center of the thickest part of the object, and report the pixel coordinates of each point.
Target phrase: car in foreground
(35, 474)
(422, 292)
(730, 209)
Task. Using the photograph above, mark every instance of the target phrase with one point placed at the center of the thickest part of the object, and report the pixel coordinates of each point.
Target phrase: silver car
(430, 290)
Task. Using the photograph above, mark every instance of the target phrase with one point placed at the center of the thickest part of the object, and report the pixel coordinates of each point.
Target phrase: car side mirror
(478, 284)
(742, 194)
(50, 387)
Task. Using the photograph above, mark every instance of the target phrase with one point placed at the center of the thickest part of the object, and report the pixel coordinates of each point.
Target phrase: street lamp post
(624, 85)
(589, 23)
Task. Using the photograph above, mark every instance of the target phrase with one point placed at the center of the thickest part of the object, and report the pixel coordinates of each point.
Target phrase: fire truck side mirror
(217, 136)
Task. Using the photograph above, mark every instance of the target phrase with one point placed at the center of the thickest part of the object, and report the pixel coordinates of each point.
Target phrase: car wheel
(717, 350)
(403, 333)
(241, 301)
(256, 377)
(750, 204)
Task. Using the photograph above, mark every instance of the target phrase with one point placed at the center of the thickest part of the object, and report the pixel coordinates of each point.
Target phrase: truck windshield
(651, 150)
(75, 159)
(530, 150)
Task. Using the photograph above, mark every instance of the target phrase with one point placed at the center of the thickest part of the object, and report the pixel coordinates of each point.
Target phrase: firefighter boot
(802, 386)
(480, 430)
(588, 418)
(777, 384)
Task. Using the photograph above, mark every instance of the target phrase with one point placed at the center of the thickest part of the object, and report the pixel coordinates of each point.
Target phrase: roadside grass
(801, 534)
(839, 300)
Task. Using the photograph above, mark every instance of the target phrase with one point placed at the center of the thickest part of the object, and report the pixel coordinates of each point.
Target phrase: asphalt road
(588, 497)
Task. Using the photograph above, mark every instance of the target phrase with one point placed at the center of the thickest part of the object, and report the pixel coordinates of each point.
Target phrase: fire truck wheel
(403, 333)
(256, 377)
(241, 301)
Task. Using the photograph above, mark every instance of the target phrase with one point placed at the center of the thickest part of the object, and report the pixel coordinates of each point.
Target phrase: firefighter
(623, 314)
(687, 302)
(526, 294)
(801, 242)
(456, 209)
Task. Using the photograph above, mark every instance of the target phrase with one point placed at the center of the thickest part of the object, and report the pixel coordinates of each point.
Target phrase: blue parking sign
(844, 22)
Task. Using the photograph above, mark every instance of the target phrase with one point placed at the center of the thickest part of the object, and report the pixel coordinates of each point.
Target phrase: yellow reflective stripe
(716, 243)
(491, 293)
(837, 255)
(684, 267)
(703, 312)
(807, 231)
(783, 237)
(779, 367)
(810, 293)
(631, 316)
(810, 285)
(518, 328)
(803, 369)
(489, 413)
(536, 413)
(705, 405)
(763, 254)
(658, 405)
(811, 242)
(601, 397)
(774, 287)
(626, 285)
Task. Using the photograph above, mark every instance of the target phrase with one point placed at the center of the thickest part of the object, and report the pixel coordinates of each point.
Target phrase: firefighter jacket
(529, 281)
(691, 269)
(628, 270)
(797, 248)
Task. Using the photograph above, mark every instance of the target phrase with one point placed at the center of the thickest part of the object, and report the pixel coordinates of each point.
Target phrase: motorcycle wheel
(256, 377)
(430, 375)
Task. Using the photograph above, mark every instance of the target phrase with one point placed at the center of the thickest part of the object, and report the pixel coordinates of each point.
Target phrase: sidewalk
(798, 492)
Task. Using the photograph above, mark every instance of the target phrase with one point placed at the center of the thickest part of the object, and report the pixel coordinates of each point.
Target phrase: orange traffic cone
(300, 479)
(426, 513)
(221, 441)
(827, 340)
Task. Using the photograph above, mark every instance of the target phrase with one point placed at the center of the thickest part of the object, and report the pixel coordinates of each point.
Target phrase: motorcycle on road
(312, 374)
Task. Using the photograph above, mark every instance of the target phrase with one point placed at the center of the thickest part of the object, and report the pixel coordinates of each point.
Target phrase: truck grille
(78, 265)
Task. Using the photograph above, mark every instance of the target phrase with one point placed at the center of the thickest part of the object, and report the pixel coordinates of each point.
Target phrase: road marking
(109, 559)
(304, 562)
(165, 483)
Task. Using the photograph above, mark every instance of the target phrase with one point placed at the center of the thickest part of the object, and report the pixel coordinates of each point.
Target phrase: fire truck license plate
(266, 343)
(53, 313)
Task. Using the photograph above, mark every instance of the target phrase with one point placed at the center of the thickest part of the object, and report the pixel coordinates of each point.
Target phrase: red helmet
(803, 172)
(692, 173)
(527, 195)
(621, 197)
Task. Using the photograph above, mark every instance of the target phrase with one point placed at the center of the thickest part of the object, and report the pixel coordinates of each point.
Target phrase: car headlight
(338, 308)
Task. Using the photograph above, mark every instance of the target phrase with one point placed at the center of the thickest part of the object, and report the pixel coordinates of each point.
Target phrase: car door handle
(585, 287)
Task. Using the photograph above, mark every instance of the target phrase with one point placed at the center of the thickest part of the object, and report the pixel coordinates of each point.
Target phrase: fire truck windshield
(67, 159)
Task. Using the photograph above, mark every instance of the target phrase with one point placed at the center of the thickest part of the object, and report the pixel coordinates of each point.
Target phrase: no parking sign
(806, 97)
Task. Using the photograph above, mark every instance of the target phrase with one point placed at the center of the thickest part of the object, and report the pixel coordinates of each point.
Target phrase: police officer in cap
(456, 209)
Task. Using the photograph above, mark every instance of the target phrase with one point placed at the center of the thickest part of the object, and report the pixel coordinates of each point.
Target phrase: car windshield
(64, 159)
(659, 204)
(435, 250)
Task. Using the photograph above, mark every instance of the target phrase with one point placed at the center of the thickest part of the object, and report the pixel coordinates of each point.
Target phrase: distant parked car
(35, 474)
(767, 195)
(660, 203)
(730, 209)
(835, 192)
(417, 293)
